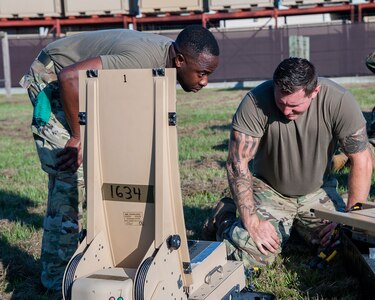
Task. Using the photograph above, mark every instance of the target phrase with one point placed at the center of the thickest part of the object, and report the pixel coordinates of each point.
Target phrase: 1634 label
(128, 192)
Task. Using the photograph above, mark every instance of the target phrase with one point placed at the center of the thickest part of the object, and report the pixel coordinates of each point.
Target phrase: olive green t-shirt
(293, 156)
(117, 48)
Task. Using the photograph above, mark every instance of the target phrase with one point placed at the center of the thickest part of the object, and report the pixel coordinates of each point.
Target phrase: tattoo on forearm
(357, 142)
(242, 149)
(250, 208)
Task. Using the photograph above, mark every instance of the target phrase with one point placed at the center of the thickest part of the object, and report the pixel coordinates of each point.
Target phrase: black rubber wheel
(69, 276)
(139, 284)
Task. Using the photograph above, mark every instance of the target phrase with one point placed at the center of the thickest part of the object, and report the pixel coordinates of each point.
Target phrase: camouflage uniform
(63, 217)
(282, 212)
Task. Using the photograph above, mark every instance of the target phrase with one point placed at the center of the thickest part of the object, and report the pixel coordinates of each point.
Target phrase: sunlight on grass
(364, 96)
(17, 232)
(203, 124)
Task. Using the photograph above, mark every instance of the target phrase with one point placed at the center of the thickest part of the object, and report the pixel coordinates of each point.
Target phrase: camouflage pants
(282, 212)
(63, 217)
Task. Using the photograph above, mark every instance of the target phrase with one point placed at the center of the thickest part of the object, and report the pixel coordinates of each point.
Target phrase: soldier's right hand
(263, 234)
(70, 158)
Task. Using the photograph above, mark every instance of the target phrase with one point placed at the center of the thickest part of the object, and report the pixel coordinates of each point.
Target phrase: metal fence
(336, 50)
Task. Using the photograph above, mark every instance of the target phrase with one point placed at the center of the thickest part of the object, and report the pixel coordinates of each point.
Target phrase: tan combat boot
(338, 162)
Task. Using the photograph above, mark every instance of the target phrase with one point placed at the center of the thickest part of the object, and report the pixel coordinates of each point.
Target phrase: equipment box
(238, 4)
(165, 6)
(31, 9)
(98, 7)
(136, 242)
(357, 240)
(310, 2)
(358, 262)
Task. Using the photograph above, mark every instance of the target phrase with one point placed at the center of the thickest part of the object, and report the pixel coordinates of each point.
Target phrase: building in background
(254, 36)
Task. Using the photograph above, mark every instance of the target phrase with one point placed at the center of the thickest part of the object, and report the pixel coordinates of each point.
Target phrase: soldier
(289, 128)
(52, 85)
(340, 159)
(370, 63)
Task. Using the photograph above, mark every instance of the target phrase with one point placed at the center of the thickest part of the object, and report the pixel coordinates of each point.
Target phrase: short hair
(295, 73)
(196, 39)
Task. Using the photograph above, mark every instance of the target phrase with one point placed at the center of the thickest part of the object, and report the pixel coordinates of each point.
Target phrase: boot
(338, 162)
(223, 215)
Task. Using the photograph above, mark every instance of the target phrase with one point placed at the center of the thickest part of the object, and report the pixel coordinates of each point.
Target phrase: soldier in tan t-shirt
(288, 129)
(52, 84)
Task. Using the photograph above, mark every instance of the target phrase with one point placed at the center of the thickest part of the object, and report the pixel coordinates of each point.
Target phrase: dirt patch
(212, 162)
(15, 99)
(193, 187)
(8, 173)
(15, 128)
(215, 185)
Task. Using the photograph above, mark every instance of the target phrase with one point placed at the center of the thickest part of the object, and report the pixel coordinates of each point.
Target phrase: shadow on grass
(194, 219)
(224, 127)
(20, 271)
(13, 207)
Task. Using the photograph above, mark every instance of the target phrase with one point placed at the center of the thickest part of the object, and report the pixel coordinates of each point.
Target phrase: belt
(45, 59)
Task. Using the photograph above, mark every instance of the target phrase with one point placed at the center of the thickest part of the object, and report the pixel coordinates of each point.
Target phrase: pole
(6, 62)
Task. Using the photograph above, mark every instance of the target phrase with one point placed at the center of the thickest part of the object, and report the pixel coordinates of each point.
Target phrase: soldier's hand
(326, 235)
(70, 158)
(263, 234)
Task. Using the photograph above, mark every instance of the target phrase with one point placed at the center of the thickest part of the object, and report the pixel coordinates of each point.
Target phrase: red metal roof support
(364, 6)
(204, 21)
(58, 27)
(204, 18)
(125, 22)
(275, 16)
(352, 13)
(134, 21)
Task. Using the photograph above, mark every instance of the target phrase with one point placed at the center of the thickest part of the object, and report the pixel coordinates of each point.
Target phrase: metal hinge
(172, 119)
(82, 118)
(187, 267)
(158, 72)
(92, 73)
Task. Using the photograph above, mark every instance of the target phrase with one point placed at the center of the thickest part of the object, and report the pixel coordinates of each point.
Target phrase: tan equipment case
(136, 245)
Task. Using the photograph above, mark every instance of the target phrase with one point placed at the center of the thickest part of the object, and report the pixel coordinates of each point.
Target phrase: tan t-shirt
(117, 48)
(293, 156)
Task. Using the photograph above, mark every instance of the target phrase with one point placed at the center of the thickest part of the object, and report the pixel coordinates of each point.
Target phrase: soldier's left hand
(326, 235)
(70, 158)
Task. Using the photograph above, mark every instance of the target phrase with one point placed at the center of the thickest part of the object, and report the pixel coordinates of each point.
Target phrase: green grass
(203, 127)
(364, 96)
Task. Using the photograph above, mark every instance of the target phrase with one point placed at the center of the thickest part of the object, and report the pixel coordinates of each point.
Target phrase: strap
(45, 59)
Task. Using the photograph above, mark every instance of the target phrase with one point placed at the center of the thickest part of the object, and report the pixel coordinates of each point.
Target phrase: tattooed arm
(356, 148)
(242, 149)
